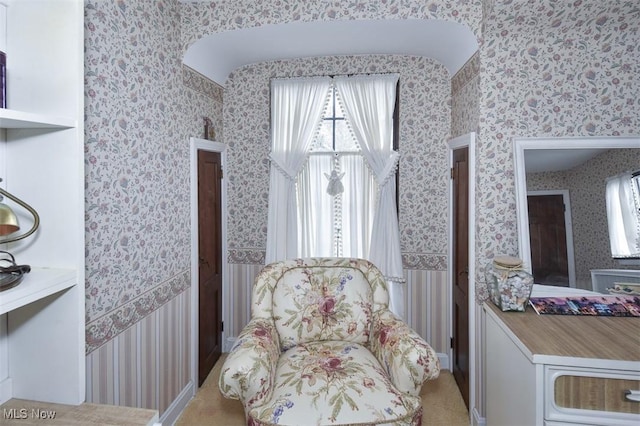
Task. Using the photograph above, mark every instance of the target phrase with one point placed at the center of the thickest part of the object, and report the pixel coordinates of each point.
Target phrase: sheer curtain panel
(296, 111)
(368, 103)
(623, 215)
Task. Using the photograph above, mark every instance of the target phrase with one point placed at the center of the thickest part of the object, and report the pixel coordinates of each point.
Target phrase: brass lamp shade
(8, 220)
(11, 276)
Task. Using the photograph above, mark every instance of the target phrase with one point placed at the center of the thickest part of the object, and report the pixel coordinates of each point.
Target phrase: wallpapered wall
(548, 69)
(141, 107)
(425, 119)
(586, 185)
(426, 98)
(139, 118)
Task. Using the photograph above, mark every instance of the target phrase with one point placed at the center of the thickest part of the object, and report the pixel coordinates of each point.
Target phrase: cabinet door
(592, 395)
(511, 381)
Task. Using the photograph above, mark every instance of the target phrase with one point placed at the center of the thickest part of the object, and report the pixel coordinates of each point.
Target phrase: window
(623, 214)
(302, 220)
(336, 192)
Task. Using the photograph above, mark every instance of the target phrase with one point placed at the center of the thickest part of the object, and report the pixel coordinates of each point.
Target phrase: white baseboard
(228, 344)
(477, 420)
(171, 415)
(444, 361)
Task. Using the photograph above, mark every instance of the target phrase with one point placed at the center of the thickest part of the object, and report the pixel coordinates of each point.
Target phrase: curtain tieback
(289, 174)
(389, 169)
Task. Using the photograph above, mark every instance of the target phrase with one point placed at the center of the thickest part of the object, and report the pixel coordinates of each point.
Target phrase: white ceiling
(217, 55)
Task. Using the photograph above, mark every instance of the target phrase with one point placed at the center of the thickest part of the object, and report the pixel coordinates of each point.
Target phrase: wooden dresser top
(608, 338)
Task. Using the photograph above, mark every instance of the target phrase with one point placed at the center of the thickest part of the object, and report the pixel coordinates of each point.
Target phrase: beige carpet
(441, 400)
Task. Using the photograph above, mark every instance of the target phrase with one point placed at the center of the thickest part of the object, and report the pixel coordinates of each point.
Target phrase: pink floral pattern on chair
(322, 348)
(320, 303)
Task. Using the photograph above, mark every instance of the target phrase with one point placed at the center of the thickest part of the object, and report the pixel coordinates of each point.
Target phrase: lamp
(11, 275)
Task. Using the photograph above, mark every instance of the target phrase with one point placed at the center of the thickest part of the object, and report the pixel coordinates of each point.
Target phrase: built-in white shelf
(42, 319)
(37, 284)
(12, 119)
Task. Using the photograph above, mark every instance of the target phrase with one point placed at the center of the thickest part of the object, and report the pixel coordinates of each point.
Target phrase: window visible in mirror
(623, 214)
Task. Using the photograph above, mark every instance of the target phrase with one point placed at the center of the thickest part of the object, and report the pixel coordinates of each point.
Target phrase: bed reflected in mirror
(562, 214)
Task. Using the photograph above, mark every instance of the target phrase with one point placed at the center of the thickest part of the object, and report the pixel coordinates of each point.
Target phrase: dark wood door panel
(548, 240)
(210, 261)
(460, 332)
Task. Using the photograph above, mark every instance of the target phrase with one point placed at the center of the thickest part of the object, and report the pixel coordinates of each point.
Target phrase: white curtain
(368, 103)
(623, 215)
(359, 200)
(315, 208)
(296, 111)
(317, 217)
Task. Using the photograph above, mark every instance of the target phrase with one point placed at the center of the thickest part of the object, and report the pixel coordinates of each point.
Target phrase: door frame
(568, 226)
(467, 140)
(197, 144)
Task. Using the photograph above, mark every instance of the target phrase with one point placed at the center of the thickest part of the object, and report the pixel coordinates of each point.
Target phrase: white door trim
(196, 145)
(469, 141)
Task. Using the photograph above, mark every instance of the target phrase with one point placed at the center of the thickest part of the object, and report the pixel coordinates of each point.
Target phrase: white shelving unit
(42, 324)
(11, 119)
(40, 283)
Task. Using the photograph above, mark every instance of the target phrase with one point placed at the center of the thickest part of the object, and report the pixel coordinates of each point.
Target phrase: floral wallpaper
(586, 185)
(139, 116)
(544, 68)
(548, 68)
(422, 216)
(464, 98)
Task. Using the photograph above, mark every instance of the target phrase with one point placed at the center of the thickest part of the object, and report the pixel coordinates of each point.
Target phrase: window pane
(315, 208)
(344, 139)
(324, 140)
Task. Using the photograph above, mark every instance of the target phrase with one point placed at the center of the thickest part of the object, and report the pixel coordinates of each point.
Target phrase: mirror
(561, 207)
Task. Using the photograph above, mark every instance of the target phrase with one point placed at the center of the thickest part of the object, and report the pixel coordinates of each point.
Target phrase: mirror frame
(521, 144)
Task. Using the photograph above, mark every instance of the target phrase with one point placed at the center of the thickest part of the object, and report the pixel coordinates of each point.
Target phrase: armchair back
(320, 299)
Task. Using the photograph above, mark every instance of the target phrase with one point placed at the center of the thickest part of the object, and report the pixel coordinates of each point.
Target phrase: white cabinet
(604, 279)
(557, 369)
(41, 161)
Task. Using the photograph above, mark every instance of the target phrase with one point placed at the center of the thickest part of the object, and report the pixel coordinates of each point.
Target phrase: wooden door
(210, 261)
(460, 339)
(548, 240)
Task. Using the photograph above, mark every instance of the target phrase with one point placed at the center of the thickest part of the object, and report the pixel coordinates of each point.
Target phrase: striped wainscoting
(147, 365)
(427, 304)
(241, 278)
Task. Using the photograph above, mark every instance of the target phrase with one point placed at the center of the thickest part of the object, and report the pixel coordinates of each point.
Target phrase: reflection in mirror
(562, 214)
(623, 213)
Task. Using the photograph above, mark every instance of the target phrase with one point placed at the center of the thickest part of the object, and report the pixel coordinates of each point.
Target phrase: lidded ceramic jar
(508, 283)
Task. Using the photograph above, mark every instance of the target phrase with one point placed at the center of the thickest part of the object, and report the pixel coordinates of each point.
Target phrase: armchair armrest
(407, 357)
(248, 371)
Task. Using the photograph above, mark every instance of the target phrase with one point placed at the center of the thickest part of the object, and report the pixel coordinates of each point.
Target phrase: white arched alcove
(217, 55)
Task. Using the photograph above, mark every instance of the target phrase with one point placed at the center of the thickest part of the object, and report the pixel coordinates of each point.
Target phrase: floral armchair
(322, 348)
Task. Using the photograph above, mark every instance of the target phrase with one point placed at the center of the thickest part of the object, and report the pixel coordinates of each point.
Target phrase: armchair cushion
(334, 382)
